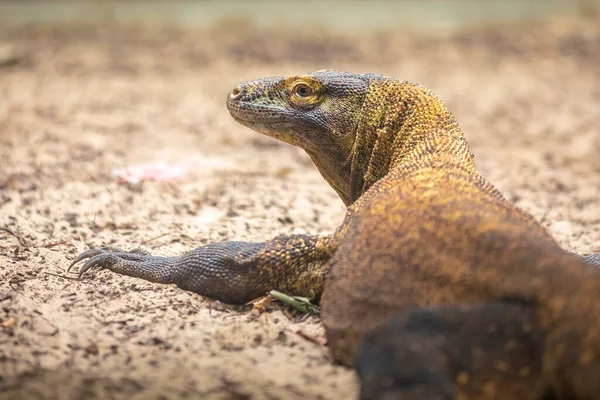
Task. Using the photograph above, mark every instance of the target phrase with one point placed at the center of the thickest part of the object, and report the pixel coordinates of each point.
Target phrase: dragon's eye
(302, 90)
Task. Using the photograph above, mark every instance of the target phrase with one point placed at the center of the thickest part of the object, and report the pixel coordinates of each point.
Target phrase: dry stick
(48, 246)
(315, 339)
(154, 238)
(83, 239)
(71, 278)
(89, 230)
(19, 238)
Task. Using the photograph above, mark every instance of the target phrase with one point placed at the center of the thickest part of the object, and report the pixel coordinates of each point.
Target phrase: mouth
(250, 112)
(271, 126)
(242, 120)
(255, 122)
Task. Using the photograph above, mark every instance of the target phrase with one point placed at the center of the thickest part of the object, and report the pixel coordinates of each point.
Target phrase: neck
(401, 124)
(334, 166)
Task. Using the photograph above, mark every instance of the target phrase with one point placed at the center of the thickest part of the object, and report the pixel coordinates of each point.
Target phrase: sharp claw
(94, 262)
(94, 252)
(86, 254)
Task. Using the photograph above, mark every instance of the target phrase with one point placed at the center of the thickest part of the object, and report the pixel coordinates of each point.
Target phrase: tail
(442, 352)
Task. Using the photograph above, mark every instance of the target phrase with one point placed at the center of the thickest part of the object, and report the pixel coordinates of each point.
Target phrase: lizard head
(316, 111)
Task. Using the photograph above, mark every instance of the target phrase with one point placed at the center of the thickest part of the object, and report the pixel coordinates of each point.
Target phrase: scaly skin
(458, 293)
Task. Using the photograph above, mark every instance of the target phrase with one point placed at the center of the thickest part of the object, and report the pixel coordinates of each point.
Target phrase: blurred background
(113, 130)
(349, 15)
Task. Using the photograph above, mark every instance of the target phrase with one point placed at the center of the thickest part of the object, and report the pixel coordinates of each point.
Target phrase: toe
(102, 260)
(86, 254)
(139, 251)
(97, 251)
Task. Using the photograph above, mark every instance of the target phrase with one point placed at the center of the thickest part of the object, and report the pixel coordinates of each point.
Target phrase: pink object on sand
(157, 171)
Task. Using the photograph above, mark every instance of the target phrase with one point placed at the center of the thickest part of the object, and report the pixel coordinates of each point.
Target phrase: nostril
(236, 92)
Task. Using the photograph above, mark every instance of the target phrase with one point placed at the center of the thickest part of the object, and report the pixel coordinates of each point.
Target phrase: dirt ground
(76, 103)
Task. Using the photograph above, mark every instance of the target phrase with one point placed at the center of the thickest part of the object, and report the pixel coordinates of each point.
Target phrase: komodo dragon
(458, 293)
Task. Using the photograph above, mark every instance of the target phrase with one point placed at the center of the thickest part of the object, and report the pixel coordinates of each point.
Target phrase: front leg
(593, 259)
(233, 272)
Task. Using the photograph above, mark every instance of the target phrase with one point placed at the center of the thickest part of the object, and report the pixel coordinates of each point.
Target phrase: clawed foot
(105, 257)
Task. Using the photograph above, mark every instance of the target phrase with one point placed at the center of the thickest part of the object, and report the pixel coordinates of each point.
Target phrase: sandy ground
(84, 101)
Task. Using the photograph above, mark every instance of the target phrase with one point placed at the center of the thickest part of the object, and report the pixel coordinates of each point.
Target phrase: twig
(88, 231)
(48, 246)
(315, 339)
(154, 238)
(19, 238)
(71, 278)
(301, 304)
